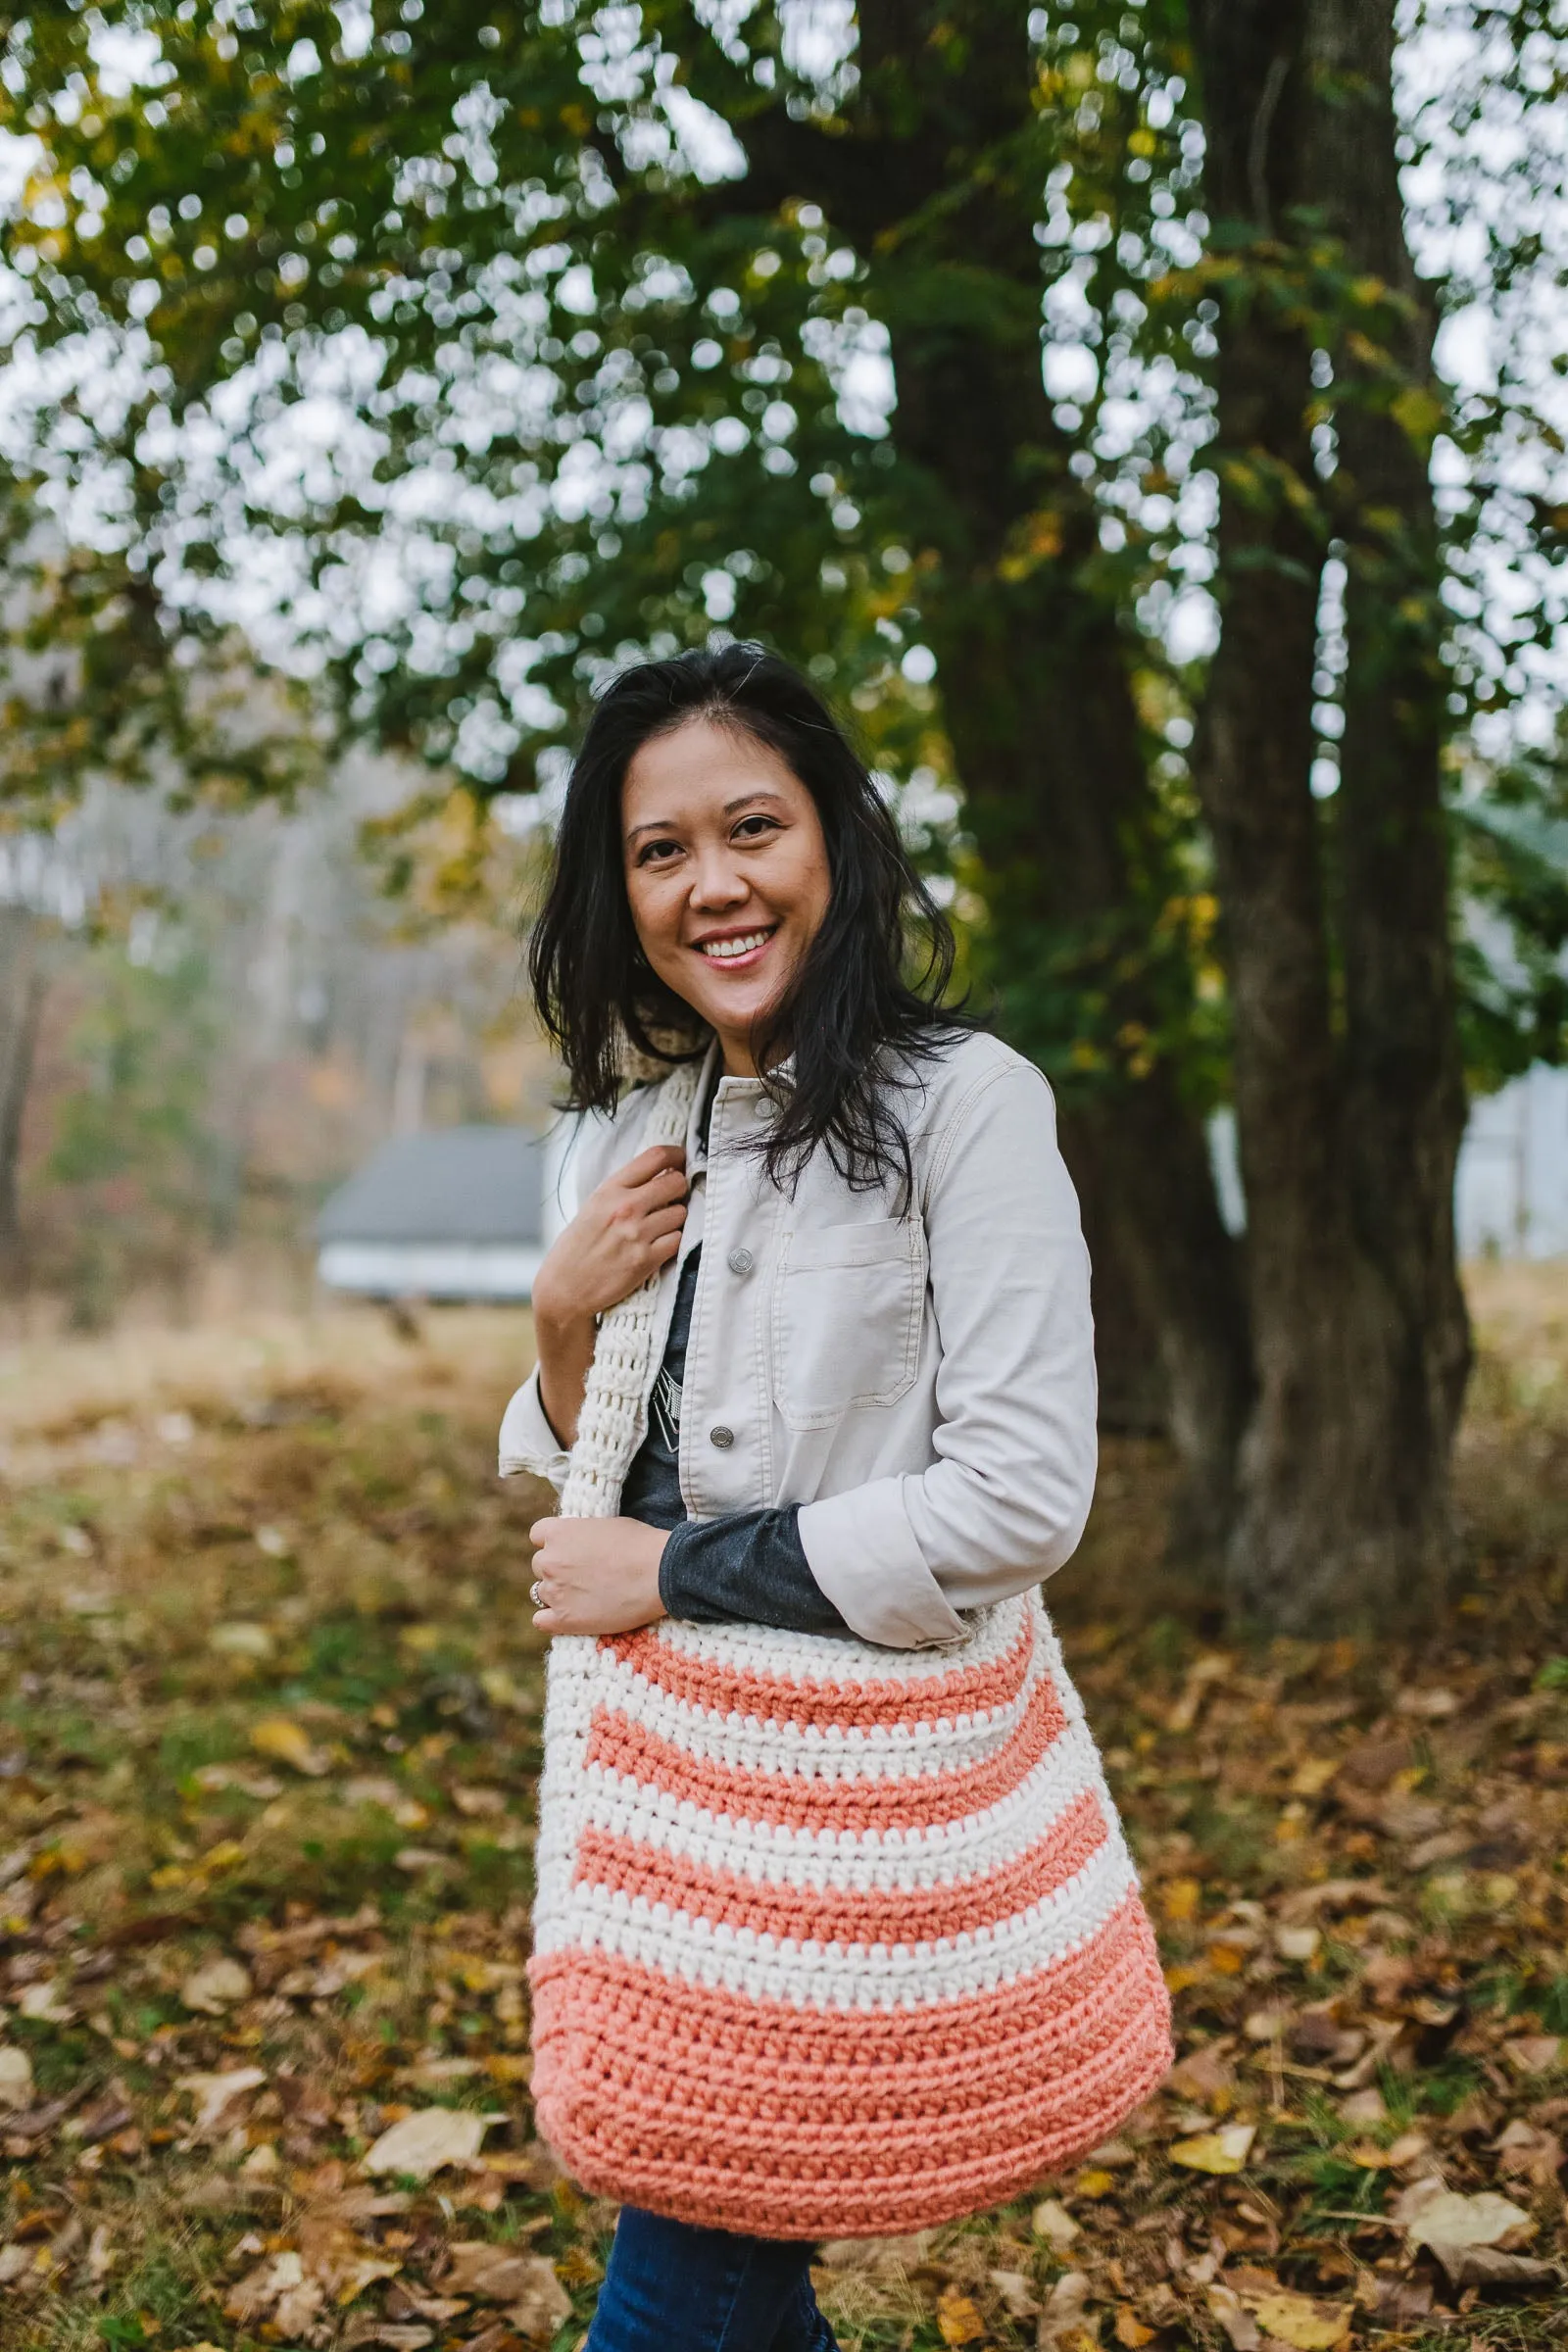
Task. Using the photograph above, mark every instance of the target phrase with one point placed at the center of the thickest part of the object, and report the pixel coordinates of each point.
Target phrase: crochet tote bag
(829, 1939)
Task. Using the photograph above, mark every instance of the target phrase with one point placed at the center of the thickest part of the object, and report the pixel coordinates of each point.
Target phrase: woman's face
(726, 874)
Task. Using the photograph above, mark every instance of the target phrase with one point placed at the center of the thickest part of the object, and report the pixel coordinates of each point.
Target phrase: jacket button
(740, 1262)
(722, 1437)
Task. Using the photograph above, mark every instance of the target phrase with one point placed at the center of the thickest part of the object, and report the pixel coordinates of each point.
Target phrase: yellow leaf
(281, 1738)
(1181, 1978)
(957, 2319)
(1095, 2183)
(1180, 1899)
(1216, 2151)
(1130, 2330)
(224, 1855)
(1299, 2320)
(1313, 1777)
(508, 2066)
(1224, 1959)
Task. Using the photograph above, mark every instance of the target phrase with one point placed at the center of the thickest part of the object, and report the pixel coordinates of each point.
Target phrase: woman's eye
(752, 828)
(658, 852)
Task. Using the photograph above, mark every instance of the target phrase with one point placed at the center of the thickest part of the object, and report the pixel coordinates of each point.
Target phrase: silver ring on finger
(536, 1593)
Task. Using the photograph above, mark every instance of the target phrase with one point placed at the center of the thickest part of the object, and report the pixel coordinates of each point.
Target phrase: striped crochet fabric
(829, 1940)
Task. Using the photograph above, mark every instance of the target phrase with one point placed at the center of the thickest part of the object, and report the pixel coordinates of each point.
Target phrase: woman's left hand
(597, 1576)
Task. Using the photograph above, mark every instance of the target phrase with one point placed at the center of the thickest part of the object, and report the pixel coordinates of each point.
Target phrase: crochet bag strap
(618, 1379)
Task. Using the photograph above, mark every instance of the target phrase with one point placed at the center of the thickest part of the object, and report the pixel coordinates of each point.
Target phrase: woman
(836, 1932)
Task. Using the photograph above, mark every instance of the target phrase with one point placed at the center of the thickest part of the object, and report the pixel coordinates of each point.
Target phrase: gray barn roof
(455, 1183)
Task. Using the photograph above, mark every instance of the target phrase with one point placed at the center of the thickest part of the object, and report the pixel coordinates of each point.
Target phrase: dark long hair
(864, 1007)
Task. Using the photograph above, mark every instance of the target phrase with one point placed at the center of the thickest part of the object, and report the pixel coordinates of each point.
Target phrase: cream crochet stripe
(608, 1425)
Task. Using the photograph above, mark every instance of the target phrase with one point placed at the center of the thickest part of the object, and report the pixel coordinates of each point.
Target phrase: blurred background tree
(442, 361)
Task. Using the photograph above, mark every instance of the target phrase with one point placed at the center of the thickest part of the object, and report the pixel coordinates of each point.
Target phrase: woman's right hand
(624, 1231)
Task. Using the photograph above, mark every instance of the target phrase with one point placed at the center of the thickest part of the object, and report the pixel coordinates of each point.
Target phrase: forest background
(1147, 422)
(1141, 419)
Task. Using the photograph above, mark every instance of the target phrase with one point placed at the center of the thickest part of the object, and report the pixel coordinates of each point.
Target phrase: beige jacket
(922, 1386)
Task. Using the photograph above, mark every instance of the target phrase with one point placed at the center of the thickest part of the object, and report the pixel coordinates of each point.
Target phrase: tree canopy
(996, 365)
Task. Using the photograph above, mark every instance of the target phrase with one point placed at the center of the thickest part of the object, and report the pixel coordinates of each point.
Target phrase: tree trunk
(1033, 672)
(1348, 1098)
(1406, 1079)
(22, 994)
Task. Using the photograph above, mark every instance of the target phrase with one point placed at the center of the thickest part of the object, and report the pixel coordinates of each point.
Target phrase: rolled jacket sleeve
(1005, 1499)
(528, 1443)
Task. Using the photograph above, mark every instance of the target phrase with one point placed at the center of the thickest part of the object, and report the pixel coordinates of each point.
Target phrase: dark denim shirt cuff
(749, 1565)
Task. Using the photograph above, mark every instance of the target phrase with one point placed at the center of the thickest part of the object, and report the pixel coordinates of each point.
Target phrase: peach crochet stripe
(790, 2124)
(829, 1940)
(914, 1915)
(857, 1803)
(943, 1698)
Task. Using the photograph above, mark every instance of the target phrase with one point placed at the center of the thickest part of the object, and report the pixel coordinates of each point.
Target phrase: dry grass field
(268, 1727)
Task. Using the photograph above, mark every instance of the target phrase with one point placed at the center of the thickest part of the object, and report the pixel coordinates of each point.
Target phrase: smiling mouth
(736, 949)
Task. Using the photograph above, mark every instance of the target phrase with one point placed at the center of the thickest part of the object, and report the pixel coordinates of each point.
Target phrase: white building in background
(453, 1214)
(1511, 1195)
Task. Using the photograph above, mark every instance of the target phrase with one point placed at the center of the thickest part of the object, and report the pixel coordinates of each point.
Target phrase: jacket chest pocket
(847, 1307)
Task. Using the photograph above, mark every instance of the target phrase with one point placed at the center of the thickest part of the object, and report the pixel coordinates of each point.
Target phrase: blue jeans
(672, 2287)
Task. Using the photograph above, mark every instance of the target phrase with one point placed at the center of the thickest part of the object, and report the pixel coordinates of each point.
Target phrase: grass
(268, 1698)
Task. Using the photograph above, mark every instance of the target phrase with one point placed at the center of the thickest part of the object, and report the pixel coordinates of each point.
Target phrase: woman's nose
(718, 882)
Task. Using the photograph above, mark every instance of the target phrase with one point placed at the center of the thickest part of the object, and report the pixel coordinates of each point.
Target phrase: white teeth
(721, 948)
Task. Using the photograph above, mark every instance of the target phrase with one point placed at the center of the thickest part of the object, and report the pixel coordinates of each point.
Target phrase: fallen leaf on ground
(216, 1986)
(427, 2073)
(1206, 2075)
(496, 2273)
(1534, 2053)
(422, 2143)
(1299, 2321)
(1054, 2223)
(241, 1639)
(44, 2004)
(1456, 2229)
(886, 2256)
(1428, 2212)
(212, 2092)
(1016, 2292)
(15, 2078)
(543, 2305)
(1401, 2303)
(1216, 2151)
(278, 2280)
(1129, 2329)
(281, 1738)
(1489, 2266)
(372, 1788)
(1232, 2314)
(1527, 2154)
(1064, 2324)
